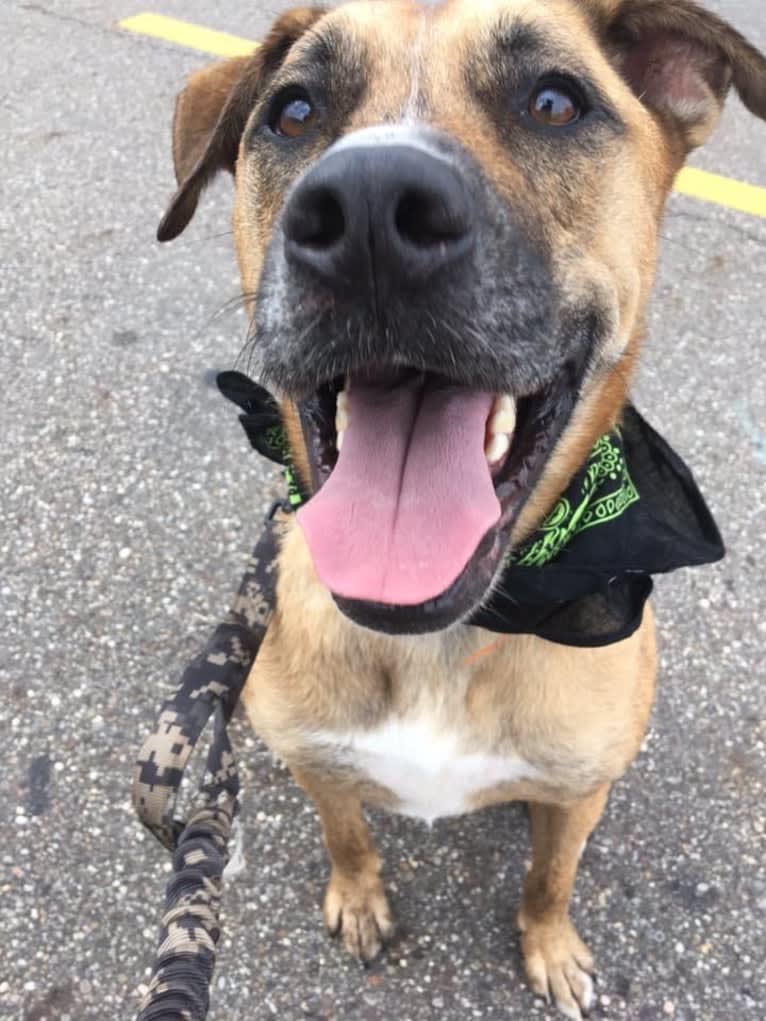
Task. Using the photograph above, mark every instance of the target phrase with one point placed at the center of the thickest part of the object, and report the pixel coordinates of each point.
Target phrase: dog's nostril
(321, 224)
(425, 220)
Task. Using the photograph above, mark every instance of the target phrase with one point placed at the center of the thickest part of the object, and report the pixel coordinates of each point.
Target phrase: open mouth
(417, 483)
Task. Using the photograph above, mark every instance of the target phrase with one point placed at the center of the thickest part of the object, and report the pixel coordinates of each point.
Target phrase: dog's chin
(408, 530)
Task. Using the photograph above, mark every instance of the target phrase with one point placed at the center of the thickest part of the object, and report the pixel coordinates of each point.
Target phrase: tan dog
(446, 220)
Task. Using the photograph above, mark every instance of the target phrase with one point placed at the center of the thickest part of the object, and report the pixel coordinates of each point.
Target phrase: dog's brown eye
(555, 105)
(294, 116)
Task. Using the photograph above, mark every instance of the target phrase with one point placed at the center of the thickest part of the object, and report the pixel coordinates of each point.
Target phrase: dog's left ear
(681, 61)
(212, 111)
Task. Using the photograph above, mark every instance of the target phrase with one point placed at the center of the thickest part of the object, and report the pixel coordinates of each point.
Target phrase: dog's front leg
(355, 903)
(558, 963)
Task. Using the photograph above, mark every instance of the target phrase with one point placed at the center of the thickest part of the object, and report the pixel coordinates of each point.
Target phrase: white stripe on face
(379, 135)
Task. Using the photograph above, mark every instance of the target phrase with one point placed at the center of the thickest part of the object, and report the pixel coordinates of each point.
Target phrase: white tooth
(342, 403)
(339, 439)
(341, 420)
(497, 447)
(504, 417)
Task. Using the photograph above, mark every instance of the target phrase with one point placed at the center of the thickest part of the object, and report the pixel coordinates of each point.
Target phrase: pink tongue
(410, 498)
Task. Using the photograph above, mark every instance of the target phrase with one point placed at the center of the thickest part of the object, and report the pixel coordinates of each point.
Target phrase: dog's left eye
(555, 104)
(293, 115)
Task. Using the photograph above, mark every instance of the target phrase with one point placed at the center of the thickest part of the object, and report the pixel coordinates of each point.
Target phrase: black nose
(392, 216)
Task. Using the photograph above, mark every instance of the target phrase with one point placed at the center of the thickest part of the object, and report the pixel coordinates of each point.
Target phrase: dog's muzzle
(416, 324)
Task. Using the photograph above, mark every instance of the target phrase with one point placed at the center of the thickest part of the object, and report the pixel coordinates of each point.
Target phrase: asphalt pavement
(129, 503)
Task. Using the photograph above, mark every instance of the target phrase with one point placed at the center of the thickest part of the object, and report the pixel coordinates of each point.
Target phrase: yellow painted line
(699, 184)
(220, 44)
(722, 191)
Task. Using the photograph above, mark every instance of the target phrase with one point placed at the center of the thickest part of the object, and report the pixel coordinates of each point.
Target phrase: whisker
(191, 242)
(233, 304)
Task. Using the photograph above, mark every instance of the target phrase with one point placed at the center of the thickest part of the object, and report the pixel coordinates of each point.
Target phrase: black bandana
(633, 510)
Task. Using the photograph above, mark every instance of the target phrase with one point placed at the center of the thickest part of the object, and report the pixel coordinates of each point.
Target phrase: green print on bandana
(607, 490)
(276, 439)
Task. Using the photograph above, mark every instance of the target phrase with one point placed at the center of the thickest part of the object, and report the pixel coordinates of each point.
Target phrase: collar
(631, 511)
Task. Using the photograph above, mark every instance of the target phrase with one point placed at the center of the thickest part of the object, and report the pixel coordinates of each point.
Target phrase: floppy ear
(212, 111)
(681, 60)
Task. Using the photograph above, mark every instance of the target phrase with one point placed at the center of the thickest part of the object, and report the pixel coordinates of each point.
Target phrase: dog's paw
(558, 964)
(357, 909)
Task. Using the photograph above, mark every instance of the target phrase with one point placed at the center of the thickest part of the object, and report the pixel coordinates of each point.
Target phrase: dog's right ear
(212, 111)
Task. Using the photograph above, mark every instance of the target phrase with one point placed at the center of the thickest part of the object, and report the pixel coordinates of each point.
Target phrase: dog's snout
(394, 214)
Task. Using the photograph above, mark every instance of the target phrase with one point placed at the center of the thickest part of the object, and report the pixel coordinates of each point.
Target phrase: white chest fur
(426, 767)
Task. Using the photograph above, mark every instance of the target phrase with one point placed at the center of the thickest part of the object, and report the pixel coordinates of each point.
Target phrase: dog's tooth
(497, 447)
(341, 419)
(503, 422)
(504, 418)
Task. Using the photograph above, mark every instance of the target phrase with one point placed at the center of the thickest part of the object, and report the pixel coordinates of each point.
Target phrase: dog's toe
(558, 966)
(358, 910)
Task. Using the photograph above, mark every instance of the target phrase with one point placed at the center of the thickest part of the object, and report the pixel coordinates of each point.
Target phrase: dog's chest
(427, 766)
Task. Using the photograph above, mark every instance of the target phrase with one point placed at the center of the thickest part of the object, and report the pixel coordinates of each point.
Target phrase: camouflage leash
(210, 686)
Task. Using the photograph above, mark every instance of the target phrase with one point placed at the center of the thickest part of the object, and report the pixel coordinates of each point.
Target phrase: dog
(446, 221)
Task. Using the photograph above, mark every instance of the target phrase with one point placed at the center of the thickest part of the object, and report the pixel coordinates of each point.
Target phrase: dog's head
(447, 215)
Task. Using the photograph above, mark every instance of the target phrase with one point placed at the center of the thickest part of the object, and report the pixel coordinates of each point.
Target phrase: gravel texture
(129, 504)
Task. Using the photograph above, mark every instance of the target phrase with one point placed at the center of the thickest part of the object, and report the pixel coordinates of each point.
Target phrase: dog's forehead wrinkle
(514, 33)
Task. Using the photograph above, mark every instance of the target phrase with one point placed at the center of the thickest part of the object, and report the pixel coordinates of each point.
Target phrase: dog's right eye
(293, 114)
(555, 103)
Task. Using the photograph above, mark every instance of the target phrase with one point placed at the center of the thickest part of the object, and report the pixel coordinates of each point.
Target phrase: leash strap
(210, 687)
